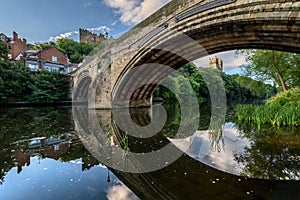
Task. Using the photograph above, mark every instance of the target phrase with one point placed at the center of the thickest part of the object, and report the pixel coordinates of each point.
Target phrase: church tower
(216, 63)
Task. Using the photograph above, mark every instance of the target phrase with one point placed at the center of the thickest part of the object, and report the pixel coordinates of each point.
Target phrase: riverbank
(281, 110)
(34, 104)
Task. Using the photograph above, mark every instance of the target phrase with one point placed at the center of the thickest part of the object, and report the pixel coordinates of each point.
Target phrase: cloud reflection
(120, 192)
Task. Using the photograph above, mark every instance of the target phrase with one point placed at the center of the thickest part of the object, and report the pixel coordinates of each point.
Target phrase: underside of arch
(80, 93)
(280, 35)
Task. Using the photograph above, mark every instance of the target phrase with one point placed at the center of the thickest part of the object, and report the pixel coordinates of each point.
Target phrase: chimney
(15, 36)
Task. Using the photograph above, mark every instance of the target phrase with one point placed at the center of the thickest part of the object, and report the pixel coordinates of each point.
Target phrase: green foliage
(273, 152)
(287, 98)
(257, 88)
(280, 67)
(66, 45)
(3, 51)
(73, 49)
(200, 79)
(49, 87)
(17, 83)
(38, 46)
(75, 58)
(283, 109)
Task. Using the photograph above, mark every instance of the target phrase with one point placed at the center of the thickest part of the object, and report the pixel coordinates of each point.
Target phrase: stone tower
(89, 37)
(216, 63)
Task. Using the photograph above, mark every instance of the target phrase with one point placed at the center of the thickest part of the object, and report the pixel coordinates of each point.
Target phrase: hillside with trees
(236, 90)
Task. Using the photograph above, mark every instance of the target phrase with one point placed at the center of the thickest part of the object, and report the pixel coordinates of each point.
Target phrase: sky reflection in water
(52, 179)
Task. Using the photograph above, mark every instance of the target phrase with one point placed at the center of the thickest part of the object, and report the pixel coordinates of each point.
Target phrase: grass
(281, 110)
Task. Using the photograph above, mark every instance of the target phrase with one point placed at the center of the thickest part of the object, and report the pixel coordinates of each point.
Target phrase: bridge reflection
(185, 178)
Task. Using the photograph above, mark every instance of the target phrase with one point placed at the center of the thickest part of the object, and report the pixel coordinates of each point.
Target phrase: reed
(281, 110)
(125, 144)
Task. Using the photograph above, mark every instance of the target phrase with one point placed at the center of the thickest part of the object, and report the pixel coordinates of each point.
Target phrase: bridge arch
(215, 25)
(222, 26)
(80, 92)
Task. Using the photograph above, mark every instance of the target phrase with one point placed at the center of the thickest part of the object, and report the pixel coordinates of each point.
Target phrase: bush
(285, 98)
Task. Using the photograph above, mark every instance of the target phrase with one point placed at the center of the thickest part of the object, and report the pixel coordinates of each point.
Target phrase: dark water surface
(47, 153)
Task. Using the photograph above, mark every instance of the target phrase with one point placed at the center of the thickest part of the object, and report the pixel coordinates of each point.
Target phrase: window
(47, 68)
(33, 67)
(54, 58)
(56, 147)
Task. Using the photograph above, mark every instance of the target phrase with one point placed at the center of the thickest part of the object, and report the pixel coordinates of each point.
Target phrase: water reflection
(45, 156)
(52, 147)
(273, 153)
(216, 148)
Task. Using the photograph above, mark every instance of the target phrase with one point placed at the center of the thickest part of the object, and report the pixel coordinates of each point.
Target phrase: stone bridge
(122, 72)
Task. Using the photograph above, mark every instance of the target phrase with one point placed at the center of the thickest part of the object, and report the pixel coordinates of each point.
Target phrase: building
(216, 63)
(51, 59)
(16, 46)
(72, 67)
(89, 37)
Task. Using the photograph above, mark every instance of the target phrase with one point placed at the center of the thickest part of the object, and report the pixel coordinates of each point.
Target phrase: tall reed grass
(281, 110)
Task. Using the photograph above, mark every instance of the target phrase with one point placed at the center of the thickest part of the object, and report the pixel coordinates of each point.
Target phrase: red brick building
(52, 54)
(50, 59)
(16, 46)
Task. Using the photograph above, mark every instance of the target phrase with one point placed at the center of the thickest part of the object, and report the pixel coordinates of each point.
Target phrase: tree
(50, 87)
(73, 49)
(66, 45)
(18, 83)
(76, 58)
(203, 78)
(3, 51)
(258, 88)
(277, 66)
(15, 82)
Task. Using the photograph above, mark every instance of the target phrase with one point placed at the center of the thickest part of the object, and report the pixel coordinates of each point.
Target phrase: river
(76, 153)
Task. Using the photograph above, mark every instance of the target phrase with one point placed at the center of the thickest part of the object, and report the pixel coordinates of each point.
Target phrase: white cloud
(101, 29)
(74, 34)
(114, 23)
(63, 35)
(91, 3)
(134, 11)
(88, 4)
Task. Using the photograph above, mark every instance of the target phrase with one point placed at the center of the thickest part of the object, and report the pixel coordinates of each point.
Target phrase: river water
(51, 153)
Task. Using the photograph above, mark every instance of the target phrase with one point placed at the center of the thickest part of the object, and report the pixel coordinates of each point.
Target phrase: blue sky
(41, 20)
(47, 20)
